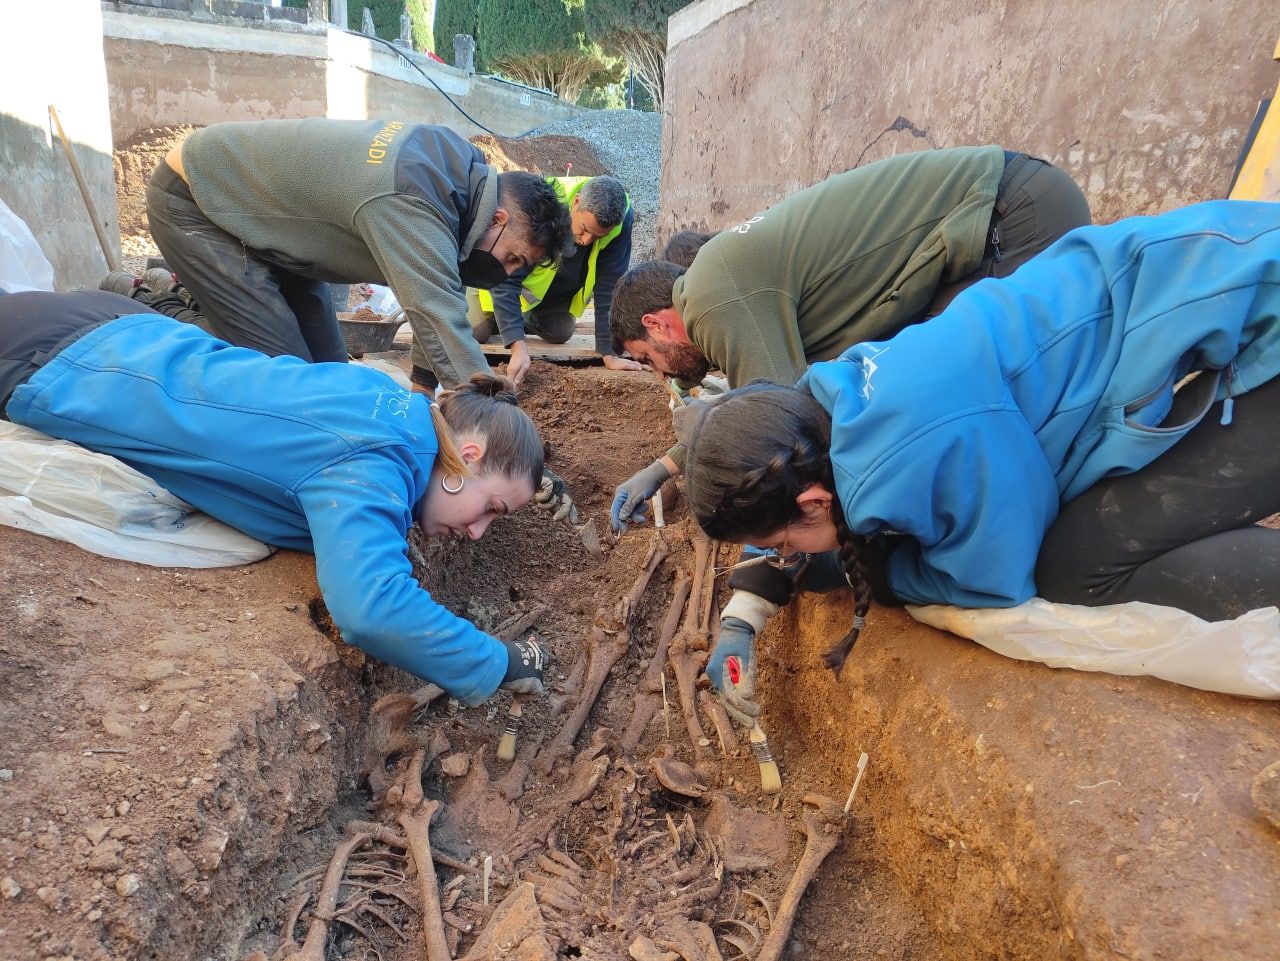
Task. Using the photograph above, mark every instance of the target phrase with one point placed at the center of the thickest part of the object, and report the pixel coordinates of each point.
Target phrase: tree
(386, 20)
(419, 12)
(636, 30)
(454, 17)
(542, 43)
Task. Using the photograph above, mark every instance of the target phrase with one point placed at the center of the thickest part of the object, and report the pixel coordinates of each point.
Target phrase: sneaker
(120, 282)
(159, 279)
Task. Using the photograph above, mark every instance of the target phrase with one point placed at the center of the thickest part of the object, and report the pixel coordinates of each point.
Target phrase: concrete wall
(1145, 103)
(51, 53)
(166, 71)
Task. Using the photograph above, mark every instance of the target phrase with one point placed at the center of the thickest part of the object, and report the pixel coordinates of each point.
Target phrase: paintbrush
(770, 779)
(507, 743)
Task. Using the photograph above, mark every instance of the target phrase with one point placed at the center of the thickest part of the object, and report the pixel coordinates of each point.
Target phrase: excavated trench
(183, 771)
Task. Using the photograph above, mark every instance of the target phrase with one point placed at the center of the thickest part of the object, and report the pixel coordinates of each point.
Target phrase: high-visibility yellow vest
(539, 280)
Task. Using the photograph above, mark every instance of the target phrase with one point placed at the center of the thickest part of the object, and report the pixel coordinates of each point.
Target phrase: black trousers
(35, 325)
(244, 299)
(550, 321)
(1182, 531)
(1036, 204)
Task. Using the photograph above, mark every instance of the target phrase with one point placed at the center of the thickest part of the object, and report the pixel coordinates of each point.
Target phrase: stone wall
(1146, 104)
(167, 70)
(51, 53)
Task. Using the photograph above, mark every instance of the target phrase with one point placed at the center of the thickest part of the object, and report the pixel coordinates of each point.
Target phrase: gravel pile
(629, 143)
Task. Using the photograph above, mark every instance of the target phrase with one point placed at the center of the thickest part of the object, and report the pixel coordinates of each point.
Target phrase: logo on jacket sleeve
(869, 367)
(382, 140)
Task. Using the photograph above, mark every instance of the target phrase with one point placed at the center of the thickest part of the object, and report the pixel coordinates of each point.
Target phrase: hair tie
(859, 622)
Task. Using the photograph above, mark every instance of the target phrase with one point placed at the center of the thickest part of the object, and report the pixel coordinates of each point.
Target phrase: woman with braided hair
(333, 459)
(1103, 426)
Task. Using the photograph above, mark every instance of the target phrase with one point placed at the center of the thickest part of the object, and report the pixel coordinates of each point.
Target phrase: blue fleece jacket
(327, 458)
(968, 432)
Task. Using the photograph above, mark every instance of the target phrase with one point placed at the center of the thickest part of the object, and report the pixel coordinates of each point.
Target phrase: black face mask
(481, 268)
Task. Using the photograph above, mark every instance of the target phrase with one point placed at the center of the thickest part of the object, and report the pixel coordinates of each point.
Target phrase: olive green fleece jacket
(857, 257)
(357, 201)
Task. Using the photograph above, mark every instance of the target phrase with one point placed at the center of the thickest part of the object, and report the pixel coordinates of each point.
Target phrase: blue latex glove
(632, 497)
(731, 669)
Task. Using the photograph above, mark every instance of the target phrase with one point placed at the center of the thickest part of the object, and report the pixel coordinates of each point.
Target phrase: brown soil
(134, 162)
(180, 752)
(185, 746)
(545, 155)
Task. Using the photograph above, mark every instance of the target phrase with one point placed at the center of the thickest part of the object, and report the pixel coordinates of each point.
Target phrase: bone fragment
(725, 733)
(417, 831)
(822, 833)
(687, 665)
(411, 797)
(327, 900)
(513, 628)
(608, 643)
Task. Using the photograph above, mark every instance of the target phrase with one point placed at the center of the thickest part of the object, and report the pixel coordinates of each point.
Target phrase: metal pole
(112, 263)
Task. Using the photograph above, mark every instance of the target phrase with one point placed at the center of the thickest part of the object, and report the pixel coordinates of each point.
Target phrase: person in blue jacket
(334, 459)
(1102, 426)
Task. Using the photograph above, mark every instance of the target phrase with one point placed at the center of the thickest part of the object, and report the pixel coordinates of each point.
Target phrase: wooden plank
(580, 348)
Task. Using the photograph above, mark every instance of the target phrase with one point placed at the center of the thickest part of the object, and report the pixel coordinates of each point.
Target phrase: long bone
(417, 832)
(607, 644)
(648, 699)
(327, 900)
(822, 833)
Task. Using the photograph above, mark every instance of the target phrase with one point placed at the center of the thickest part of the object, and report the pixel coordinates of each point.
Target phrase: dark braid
(750, 456)
(854, 561)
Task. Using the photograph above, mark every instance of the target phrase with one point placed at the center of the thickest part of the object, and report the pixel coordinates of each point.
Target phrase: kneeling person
(332, 459)
(548, 300)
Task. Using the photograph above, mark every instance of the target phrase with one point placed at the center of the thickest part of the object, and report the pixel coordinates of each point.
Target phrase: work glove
(731, 669)
(632, 497)
(527, 664)
(552, 495)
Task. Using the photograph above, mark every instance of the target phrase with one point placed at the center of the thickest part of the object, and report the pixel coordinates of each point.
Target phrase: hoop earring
(444, 484)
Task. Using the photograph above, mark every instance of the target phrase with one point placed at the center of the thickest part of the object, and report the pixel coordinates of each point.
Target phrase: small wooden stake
(659, 520)
(862, 766)
(488, 872)
(666, 716)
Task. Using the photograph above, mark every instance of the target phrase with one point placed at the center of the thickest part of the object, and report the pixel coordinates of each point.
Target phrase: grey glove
(527, 664)
(632, 496)
(552, 495)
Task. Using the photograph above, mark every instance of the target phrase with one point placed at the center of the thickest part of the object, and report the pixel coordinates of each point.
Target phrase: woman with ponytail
(334, 459)
(1103, 426)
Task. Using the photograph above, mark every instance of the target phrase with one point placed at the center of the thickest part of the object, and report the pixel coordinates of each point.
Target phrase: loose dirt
(134, 162)
(186, 749)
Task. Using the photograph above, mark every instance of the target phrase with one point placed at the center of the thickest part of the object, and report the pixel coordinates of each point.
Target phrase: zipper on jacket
(995, 243)
(1229, 403)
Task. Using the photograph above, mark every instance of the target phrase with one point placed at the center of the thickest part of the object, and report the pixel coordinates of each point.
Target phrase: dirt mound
(542, 155)
(134, 162)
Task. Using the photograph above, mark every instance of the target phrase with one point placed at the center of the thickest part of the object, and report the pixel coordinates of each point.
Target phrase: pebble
(50, 896)
(127, 885)
(6, 774)
(182, 724)
(455, 765)
(9, 888)
(123, 808)
(95, 914)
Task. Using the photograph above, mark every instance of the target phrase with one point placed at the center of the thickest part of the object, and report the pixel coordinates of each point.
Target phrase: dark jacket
(354, 201)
